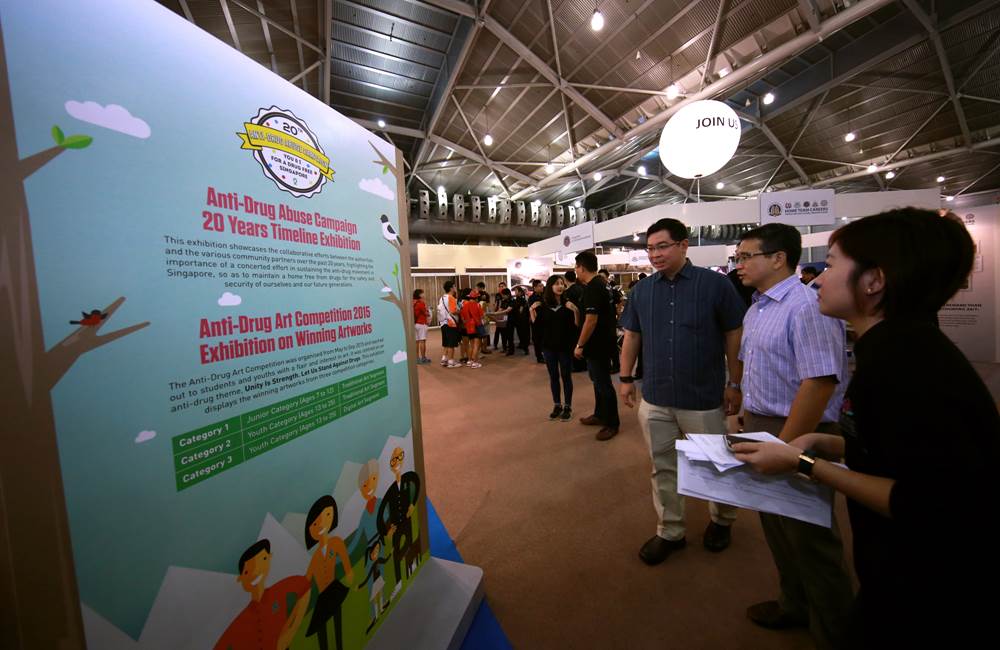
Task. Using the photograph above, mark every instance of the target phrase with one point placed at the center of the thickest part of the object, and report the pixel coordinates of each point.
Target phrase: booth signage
(799, 208)
(577, 238)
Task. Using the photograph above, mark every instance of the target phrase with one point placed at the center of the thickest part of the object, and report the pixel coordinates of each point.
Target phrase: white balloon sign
(699, 139)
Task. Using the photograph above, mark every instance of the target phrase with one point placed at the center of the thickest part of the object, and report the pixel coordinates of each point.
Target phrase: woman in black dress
(920, 436)
(557, 321)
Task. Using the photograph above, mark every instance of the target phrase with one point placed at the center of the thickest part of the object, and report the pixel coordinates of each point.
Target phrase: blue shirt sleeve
(818, 342)
(630, 317)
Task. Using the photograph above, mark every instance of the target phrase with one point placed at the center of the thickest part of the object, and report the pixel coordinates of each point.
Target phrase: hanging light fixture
(719, 185)
(598, 176)
(849, 137)
(381, 124)
(549, 168)
(940, 179)
(890, 175)
(488, 140)
(597, 20)
(642, 170)
(768, 99)
(872, 168)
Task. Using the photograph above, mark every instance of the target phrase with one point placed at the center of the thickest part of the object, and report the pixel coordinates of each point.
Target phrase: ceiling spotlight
(768, 99)
(440, 189)
(719, 185)
(849, 137)
(381, 124)
(949, 198)
(538, 202)
(597, 21)
(577, 204)
(635, 236)
(642, 170)
(940, 179)
(723, 72)
(549, 168)
(673, 90)
(488, 140)
(638, 55)
(890, 175)
(598, 176)
(872, 168)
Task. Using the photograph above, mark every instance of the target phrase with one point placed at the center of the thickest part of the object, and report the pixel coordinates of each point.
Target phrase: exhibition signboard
(577, 238)
(798, 208)
(970, 317)
(207, 377)
(521, 271)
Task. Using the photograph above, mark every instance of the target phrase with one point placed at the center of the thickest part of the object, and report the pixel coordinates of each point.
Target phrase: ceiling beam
(392, 17)
(327, 78)
(305, 72)
(917, 131)
(949, 79)
(714, 42)
(543, 68)
(735, 79)
(776, 143)
(389, 128)
(455, 6)
(662, 180)
(298, 43)
(979, 178)
(232, 27)
(278, 26)
(267, 38)
(811, 13)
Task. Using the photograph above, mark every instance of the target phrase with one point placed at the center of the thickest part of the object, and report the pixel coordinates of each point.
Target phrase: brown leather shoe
(591, 421)
(657, 549)
(770, 615)
(717, 537)
(607, 433)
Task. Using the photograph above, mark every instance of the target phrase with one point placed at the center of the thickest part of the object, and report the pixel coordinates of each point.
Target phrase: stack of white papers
(706, 469)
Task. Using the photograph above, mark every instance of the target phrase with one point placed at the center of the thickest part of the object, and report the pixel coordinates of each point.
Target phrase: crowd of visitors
(908, 439)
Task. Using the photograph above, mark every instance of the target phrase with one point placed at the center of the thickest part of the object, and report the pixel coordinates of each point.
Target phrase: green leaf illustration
(395, 269)
(57, 135)
(77, 142)
(385, 169)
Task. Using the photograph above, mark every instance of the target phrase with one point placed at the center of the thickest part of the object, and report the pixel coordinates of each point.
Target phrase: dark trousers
(536, 340)
(605, 397)
(523, 335)
(506, 334)
(560, 365)
(496, 334)
(400, 542)
(810, 561)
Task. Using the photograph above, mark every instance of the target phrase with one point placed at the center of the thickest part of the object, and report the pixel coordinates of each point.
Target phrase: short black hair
(255, 548)
(605, 273)
(924, 257)
(535, 283)
(321, 504)
(480, 285)
(464, 293)
(448, 285)
(587, 260)
(643, 276)
(570, 275)
(505, 291)
(774, 237)
(810, 270)
(677, 230)
(417, 293)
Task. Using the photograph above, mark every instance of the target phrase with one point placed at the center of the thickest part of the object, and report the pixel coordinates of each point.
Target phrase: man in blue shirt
(688, 321)
(794, 377)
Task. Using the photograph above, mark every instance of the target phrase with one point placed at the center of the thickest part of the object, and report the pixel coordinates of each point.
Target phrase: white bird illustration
(389, 232)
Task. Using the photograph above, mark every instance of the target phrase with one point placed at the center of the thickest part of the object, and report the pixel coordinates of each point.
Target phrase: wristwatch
(807, 460)
(626, 379)
(732, 384)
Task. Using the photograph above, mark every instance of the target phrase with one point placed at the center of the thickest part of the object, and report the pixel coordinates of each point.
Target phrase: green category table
(212, 449)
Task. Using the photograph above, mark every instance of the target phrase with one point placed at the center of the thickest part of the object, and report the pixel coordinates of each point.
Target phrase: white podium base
(436, 611)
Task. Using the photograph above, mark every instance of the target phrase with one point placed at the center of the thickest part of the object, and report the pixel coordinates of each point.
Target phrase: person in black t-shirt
(597, 344)
(518, 318)
(504, 323)
(556, 321)
(536, 296)
(921, 437)
(574, 294)
(497, 297)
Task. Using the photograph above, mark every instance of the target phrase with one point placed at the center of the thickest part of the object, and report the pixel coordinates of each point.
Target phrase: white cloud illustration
(145, 435)
(399, 357)
(386, 290)
(377, 187)
(112, 116)
(229, 300)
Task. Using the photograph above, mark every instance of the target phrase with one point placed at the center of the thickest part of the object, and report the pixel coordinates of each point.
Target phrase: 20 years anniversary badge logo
(288, 151)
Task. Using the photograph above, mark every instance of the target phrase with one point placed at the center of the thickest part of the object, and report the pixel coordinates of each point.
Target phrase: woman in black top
(518, 318)
(504, 323)
(557, 321)
(921, 435)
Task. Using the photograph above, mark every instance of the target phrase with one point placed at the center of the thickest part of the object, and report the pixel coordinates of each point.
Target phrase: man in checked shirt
(794, 377)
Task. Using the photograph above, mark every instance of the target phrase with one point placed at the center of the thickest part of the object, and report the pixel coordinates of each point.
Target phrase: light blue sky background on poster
(98, 218)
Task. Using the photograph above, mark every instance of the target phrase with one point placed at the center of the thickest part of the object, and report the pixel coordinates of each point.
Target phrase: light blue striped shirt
(785, 340)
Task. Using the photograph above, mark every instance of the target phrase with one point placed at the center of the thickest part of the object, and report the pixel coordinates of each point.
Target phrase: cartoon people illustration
(93, 319)
(395, 512)
(320, 521)
(367, 529)
(268, 622)
(373, 557)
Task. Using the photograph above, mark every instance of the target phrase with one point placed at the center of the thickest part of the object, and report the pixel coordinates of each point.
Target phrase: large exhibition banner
(205, 345)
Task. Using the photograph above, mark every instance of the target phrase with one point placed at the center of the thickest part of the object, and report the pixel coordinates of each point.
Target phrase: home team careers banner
(207, 328)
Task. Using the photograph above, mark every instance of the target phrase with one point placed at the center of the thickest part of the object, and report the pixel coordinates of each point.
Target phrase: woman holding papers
(920, 435)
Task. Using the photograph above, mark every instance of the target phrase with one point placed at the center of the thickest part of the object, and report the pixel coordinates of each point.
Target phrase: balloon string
(698, 185)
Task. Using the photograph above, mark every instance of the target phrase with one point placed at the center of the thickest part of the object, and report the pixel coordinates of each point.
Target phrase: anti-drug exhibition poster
(207, 327)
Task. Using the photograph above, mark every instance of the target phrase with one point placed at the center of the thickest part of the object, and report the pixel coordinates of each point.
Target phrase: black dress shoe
(770, 615)
(607, 433)
(657, 549)
(717, 537)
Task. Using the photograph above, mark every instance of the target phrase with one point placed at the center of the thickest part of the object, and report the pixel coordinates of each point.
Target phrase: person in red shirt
(471, 315)
(421, 318)
(266, 623)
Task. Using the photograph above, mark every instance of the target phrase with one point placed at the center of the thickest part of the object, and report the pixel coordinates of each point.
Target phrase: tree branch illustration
(392, 297)
(85, 338)
(32, 164)
(382, 160)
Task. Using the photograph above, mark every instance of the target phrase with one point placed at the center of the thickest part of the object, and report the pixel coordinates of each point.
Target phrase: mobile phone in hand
(733, 440)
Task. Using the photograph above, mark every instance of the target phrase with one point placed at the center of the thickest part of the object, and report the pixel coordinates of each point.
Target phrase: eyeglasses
(396, 459)
(743, 258)
(662, 248)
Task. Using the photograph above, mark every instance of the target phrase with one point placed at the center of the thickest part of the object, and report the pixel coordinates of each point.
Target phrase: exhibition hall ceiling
(916, 82)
